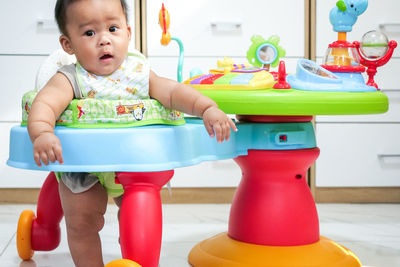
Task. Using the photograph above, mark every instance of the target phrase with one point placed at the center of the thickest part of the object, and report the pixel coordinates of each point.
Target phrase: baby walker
(273, 219)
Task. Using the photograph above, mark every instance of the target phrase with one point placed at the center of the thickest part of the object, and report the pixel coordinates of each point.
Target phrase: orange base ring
(123, 263)
(222, 251)
(24, 230)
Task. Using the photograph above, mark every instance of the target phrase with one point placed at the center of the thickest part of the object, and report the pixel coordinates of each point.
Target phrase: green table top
(298, 102)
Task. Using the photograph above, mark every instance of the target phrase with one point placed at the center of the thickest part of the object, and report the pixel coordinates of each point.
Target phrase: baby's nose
(104, 40)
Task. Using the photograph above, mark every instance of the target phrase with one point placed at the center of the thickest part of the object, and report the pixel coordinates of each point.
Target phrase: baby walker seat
(143, 164)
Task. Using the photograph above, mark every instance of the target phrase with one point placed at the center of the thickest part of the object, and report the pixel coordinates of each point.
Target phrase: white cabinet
(30, 27)
(211, 30)
(358, 155)
(19, 77)
(363, 150)
(222, 173)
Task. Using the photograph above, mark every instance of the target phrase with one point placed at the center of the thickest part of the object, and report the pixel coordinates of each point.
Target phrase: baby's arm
(182, 97)
(48, 105)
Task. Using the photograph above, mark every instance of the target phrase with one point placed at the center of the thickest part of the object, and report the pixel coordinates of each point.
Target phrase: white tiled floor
(371, 231)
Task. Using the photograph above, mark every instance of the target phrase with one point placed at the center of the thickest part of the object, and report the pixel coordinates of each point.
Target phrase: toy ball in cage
(374, 50)
(374, 45)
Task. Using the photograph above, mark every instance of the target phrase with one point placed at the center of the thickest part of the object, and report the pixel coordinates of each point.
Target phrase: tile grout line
(8, 243)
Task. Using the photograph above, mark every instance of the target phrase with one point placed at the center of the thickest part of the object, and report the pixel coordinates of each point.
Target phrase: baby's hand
(218, 123)
(47, 147)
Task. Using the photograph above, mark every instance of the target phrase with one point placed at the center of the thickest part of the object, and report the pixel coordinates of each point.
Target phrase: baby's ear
(66, 44)
(129, 31)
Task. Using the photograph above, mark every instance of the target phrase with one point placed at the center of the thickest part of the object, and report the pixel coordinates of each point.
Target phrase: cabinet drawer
(222, 173)
(358, 155)
(19, 73)
(11, 177)
(167, 66)
(224, 28)
(388, 77)
(33, 30)
(382, 12)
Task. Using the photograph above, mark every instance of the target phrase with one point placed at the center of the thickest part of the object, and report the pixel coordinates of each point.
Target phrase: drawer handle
(389, 27)
(46, 24)
(388, 156)
(226, 25)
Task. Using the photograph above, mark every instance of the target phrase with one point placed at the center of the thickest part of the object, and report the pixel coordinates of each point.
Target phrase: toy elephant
(345, 14)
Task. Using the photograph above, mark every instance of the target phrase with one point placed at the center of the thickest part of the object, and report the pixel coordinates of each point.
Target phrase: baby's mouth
(106, 56)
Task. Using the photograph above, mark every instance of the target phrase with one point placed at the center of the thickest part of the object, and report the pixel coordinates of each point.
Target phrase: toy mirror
(266, 54)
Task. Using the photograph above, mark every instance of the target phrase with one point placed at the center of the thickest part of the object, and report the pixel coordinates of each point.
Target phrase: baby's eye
(89, 33)
(113, 29)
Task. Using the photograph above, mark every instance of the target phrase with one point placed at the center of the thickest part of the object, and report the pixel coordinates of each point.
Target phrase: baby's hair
(61, 16)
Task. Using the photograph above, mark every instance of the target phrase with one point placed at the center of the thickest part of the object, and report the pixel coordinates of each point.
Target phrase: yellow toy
(163, 20)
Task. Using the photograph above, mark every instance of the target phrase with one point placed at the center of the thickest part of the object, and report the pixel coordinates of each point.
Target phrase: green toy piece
(341, 5)
(258, 42)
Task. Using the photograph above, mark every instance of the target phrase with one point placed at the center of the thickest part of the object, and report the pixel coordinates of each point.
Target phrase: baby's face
(98, 35)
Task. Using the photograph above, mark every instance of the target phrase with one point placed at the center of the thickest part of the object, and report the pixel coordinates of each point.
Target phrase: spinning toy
(273, 219)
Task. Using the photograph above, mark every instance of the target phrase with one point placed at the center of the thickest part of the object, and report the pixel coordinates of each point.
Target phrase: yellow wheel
(123, 263)
(24, 244)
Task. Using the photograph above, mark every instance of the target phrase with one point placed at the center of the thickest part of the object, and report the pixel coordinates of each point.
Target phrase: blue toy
(345, 14)
(310, 76)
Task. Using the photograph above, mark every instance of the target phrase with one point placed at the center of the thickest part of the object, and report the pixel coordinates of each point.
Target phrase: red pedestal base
(273, 220)
(273, 204)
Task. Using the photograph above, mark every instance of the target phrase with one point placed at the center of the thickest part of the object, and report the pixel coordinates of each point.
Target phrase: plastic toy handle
(181, 55)
(282, 84)
(164, 21)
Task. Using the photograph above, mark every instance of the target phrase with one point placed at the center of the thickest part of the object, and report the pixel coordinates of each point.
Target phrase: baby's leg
(118, 202)
(84, 219)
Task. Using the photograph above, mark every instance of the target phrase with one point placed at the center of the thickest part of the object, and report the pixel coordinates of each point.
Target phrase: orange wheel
(24, 244)
(123, 263)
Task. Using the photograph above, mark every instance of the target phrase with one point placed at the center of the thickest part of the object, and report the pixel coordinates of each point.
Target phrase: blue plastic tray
(157, 147)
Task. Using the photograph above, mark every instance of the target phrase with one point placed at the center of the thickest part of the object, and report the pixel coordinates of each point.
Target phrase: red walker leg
(141, 216)
(46, 233)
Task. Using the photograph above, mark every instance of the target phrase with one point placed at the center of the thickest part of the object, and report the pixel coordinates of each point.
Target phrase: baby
(98, 34)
